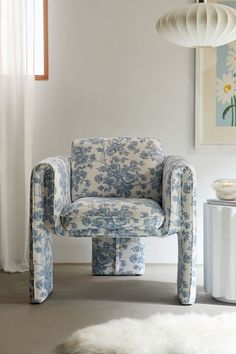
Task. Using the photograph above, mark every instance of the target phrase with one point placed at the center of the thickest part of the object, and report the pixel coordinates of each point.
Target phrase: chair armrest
(178, 193)
(50, 191)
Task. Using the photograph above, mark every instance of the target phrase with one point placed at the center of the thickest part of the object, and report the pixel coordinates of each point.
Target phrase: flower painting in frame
(215, 105)
(225, 85)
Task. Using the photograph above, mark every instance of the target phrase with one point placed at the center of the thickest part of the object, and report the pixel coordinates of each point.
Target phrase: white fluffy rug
(159, 334)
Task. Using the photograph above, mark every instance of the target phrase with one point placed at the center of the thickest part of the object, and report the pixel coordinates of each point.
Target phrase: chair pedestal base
(118, 256)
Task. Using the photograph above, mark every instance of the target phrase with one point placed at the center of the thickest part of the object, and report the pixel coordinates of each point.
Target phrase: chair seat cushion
(113, 217)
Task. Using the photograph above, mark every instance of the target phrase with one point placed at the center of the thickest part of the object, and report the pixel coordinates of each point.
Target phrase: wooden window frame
(45, 40)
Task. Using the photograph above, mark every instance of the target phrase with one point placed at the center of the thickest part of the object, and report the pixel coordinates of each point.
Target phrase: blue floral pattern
(114, 217)
(179, 206)
(118, 256)
(50, 192)
(117, 167)
(162, 202)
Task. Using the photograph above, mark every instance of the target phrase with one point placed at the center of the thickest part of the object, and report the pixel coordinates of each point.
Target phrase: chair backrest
(117, 167)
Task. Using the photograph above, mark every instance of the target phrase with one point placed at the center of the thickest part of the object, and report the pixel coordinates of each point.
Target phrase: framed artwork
(215, 95)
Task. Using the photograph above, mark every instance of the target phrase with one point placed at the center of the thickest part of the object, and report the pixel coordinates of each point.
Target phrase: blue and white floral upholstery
(112, 217)
(50, 192)
(119, 191)
(118, 256)
(117, 167)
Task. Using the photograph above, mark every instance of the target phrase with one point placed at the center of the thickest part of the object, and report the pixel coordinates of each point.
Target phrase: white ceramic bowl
(225, 188)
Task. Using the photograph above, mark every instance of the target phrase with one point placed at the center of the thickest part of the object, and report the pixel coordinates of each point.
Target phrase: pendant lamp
(199, 25)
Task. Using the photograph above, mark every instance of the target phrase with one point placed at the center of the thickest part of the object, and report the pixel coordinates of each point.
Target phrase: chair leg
(41, 264)
(186, 281)
(118, 256)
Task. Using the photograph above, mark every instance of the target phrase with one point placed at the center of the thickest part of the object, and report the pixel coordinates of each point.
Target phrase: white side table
(220, 251)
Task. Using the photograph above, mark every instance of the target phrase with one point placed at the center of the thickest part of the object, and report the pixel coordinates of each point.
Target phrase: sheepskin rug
(159, 334)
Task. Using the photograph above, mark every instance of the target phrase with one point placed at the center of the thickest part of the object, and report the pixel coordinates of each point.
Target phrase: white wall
(111, 74)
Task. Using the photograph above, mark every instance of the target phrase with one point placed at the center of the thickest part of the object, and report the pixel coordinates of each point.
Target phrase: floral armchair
(117, 191)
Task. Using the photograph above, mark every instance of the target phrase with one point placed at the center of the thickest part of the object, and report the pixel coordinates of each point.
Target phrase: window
(41, 39)
(24, 36)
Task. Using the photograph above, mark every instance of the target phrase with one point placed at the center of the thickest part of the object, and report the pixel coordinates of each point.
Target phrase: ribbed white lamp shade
(199, 25)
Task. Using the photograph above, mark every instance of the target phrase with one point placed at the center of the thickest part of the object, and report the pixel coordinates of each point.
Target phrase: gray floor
(81, 300)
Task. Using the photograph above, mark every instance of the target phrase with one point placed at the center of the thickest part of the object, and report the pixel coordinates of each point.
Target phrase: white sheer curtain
(16, 115)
